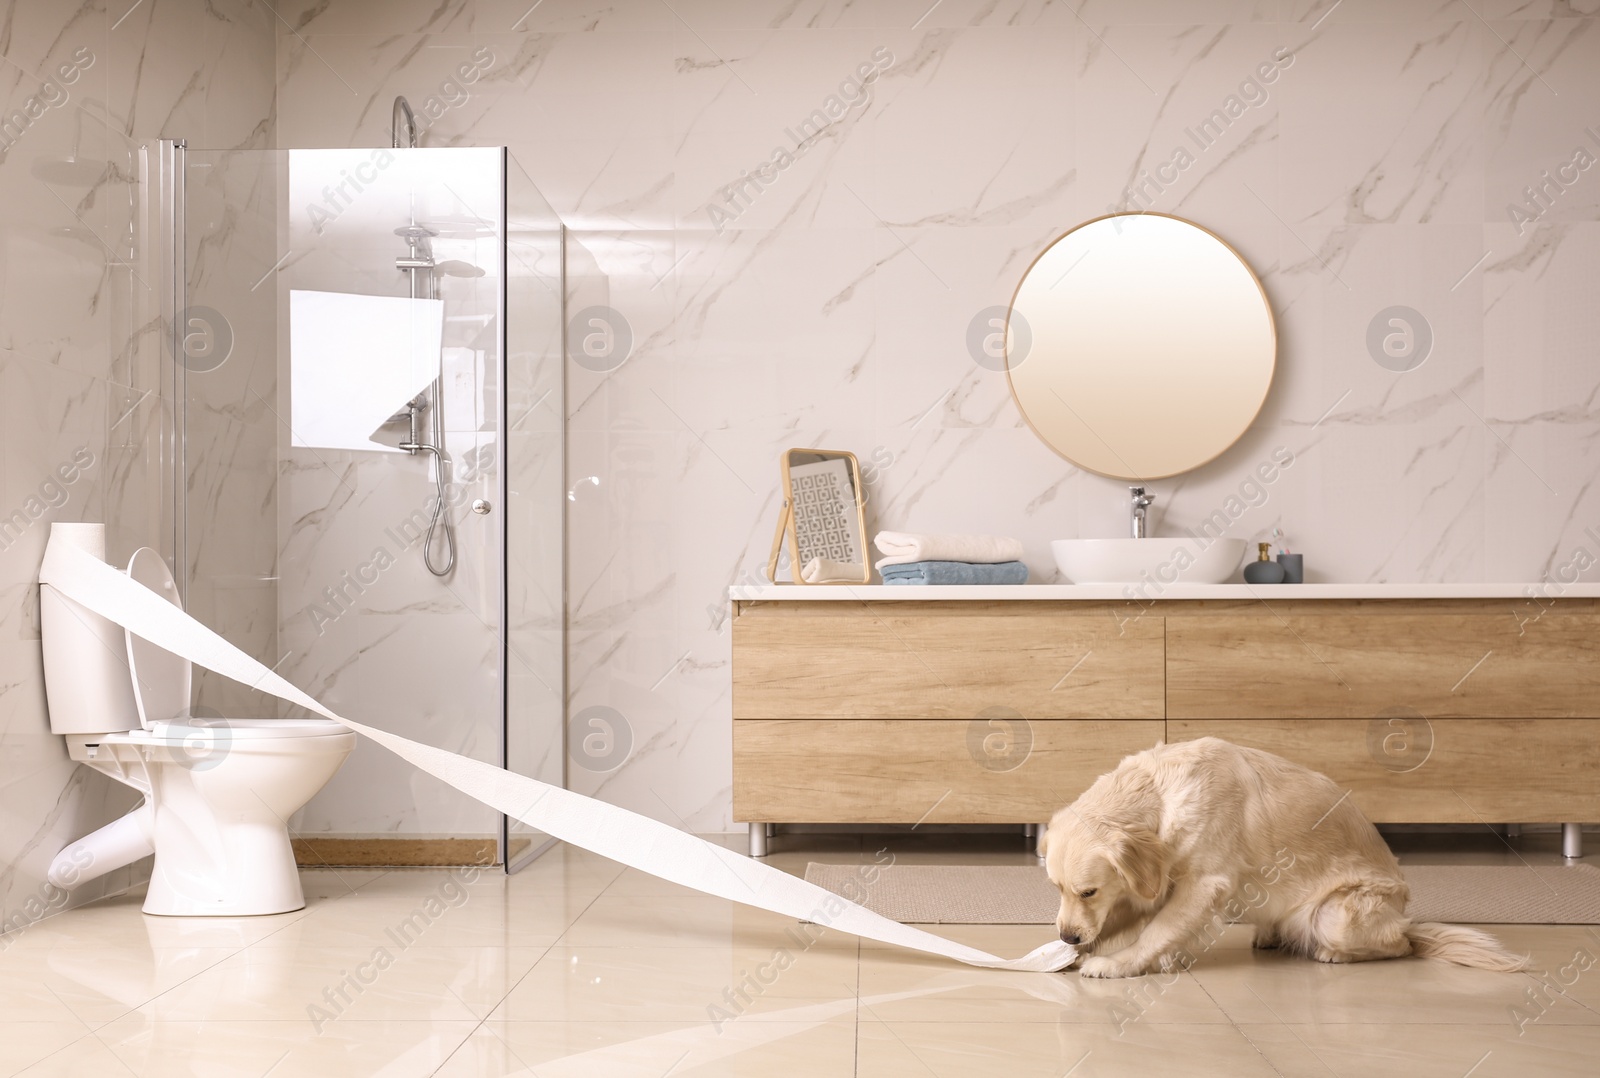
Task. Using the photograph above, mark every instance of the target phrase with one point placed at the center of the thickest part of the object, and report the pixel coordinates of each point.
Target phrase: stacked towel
(904, 548)
(956, 572)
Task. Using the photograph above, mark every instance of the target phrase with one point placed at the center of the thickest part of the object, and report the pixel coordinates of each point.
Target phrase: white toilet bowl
(218, 792)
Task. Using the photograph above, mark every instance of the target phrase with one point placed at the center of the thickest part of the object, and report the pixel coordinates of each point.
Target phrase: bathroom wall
(84, 381)
(1381, 166)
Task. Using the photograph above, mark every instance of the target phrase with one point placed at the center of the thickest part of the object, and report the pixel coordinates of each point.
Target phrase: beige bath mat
(1020, 894)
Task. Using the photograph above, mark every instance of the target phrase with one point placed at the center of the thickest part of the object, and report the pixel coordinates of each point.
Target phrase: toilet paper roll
(625, 837)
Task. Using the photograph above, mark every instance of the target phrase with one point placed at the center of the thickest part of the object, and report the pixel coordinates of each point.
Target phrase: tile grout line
(480, 1023)
(1234, 1023)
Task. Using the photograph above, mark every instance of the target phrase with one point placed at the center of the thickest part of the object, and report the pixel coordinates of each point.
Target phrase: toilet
(218, 793)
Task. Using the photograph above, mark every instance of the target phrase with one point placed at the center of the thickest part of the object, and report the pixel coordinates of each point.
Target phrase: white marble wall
(833, 310)
(81, 367)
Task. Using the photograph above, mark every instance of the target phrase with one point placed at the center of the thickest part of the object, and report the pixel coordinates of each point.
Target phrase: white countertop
(1102, 592)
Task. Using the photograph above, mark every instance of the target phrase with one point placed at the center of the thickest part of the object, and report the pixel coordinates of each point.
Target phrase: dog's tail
(1463, 946)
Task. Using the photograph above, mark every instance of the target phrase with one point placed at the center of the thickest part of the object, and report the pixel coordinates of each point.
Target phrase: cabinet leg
(758, 840)
(1513, 830)
(1038, 835)
(1572, 841)
(1030, 830)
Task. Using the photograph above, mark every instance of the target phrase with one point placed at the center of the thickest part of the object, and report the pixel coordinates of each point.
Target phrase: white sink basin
(1162, 561)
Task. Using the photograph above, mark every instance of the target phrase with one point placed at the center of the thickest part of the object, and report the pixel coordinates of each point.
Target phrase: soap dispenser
(1264, 570)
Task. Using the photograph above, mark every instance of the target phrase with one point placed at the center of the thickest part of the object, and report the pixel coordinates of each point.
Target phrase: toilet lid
(161, 680)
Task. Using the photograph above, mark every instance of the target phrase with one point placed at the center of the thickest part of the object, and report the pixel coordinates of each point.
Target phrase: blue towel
(955, 572)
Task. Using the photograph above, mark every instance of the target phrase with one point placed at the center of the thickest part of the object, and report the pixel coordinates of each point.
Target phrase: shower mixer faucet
(419, 267)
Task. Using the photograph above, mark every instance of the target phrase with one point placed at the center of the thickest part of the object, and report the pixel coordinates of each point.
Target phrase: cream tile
(817, 1049)
(24, 1043)
(1486, 1050)
(563, 869)
(118, 922)
(443, 916)
(1266, 986)
(86, 1055)
(676, 921)
(138, 1045)
(94, 985)
(713, 983)
(370, 981)
(949, 1050)
(1566, 965)
(335, 882)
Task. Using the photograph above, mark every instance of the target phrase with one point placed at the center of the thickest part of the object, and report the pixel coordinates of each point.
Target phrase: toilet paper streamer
(625, 837)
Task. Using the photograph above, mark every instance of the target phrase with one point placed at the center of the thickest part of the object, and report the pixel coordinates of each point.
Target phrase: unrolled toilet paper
(626, 837)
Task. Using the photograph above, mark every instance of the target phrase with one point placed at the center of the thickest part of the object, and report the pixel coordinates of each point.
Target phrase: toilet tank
(86, 682)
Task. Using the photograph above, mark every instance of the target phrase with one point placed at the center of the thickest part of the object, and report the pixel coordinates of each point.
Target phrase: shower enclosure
(370, 461)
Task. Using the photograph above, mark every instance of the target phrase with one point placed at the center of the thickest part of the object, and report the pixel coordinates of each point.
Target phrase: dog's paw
(1108, 967)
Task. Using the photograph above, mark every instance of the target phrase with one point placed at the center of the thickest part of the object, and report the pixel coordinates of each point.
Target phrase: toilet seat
(234, 730)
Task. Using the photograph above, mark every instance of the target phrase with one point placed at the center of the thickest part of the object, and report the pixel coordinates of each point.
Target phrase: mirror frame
(1266, 302)
(786, 523)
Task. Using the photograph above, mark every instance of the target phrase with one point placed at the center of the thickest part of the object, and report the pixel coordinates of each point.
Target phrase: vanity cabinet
(978, 710)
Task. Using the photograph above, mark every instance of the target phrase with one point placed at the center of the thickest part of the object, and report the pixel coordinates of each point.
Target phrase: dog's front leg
(1121, 928)
(1190, 909)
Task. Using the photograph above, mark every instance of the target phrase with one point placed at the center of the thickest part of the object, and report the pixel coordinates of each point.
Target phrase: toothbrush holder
(1294, 568)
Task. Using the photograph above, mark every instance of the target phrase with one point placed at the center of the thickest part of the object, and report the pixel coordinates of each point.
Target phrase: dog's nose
(1071, 938)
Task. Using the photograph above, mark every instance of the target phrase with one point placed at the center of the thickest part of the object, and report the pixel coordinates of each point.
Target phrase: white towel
(904, 547)
(823, 571)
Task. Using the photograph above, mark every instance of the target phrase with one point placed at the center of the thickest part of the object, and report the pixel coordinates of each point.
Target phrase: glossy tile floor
(578, 967)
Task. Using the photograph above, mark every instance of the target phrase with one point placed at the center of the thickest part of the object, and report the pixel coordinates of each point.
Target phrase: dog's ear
(1139, 856)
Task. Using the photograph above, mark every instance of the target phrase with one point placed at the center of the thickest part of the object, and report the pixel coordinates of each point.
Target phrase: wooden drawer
(1358, 665)
(937, 771)
(834, 660)
(1438, 771)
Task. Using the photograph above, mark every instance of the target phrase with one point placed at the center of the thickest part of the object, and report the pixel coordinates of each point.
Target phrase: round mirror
(1140, 346)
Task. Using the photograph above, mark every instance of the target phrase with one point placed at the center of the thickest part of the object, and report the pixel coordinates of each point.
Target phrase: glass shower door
(345, 461)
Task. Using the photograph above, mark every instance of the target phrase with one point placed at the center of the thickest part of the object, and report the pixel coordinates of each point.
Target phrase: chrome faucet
(1141, 502)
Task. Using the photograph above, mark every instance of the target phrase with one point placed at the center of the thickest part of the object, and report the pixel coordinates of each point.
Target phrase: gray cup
(1294, 568)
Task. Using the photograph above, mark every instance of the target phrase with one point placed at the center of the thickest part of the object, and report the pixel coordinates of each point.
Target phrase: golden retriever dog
(1159, 855)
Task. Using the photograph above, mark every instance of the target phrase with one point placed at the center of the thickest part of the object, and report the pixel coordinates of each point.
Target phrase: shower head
(456, 268)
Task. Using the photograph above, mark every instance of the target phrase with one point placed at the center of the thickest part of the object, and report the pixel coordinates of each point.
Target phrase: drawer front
(1439, 770)
(934, 771)
(1361, 666)
(856, 662)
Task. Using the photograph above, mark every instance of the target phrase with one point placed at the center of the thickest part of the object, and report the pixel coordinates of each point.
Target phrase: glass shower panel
(227, 390)
(345, 429)
(535, 500)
